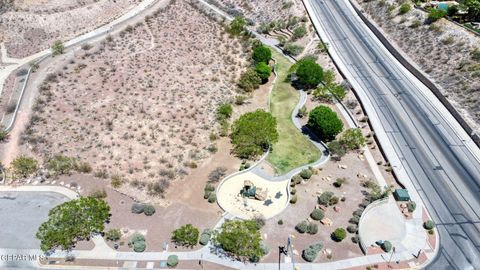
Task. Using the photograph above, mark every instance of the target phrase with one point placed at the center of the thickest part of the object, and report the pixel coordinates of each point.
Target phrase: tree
(405, 8)
(473, 9)
(24, 166)
(262, 54)
(309, 73)
(57, 48)
(263, 71)
(240, 238)
(72, 221)
(237, 26)
(352, 138)
(224, 111)
(187, 235)
(253, 133)
(324, 122)
(436, 14)
(249, 80)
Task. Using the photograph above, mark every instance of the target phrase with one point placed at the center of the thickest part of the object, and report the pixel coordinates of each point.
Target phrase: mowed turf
(293, 149)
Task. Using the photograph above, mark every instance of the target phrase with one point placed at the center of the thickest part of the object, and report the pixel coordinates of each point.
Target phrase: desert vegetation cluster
(449, 54)
(140, 106)
(28, 26)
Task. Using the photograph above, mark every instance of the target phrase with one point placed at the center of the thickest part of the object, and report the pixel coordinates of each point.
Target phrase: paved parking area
(21, 213)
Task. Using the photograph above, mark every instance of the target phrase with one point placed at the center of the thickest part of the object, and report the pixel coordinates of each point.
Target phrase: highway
(430, 149)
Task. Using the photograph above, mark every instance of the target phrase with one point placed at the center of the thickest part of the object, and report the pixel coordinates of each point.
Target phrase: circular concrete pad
(230, 200)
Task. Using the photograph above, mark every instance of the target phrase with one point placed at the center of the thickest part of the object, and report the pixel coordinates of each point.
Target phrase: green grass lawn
(293, 149)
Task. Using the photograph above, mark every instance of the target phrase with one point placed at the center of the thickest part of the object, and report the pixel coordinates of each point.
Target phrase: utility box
(401, 195)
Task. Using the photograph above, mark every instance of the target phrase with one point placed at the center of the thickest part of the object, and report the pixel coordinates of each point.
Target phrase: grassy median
(293, 149)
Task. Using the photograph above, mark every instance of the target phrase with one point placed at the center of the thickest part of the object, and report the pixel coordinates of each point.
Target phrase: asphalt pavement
(413, 129)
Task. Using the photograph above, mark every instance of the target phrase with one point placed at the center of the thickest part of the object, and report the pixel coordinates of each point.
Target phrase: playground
(248, 196)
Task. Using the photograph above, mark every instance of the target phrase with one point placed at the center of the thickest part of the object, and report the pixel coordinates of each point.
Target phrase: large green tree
(309, 73)
(263, 70)
(72, 221)
(325, 123)
(241, 239)
(262, 54)
(253, 133)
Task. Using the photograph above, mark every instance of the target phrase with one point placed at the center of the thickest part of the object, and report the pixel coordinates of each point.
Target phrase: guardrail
(420, 76)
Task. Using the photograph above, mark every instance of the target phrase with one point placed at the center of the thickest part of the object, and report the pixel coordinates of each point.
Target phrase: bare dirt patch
(140, 106)
(30, 26)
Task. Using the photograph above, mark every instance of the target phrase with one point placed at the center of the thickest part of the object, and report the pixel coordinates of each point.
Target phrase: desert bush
(116, 181)
(339, 182)
(354, 219)
(404, 8)
(60, 164)
(172, 261)
(186, 235)
(411, 206)
(352, 138)
(292, 49)
(86, 46)
(435, 14)
(98, 194)
(205, 237)
(339, 234)
(325, 197)
(317, 214)
(249, 80)
(137, 242)
(387, 246)
(302, 227)
(302, 112)
(312, 228)
(113, 235)
(240, 100)
(337, 150)
(84, 167)
(23, 166)
(293, 199)
(217, 174)
(57, 48)
(237, 26)
(138, 208)
(101, 174)
(324, 122)
(224, 111)
(310, 254)
(212, 198)
(158, 188)
(355, 239)
(299, 32)
(429, 224)
(306, 173)
(149, 210)
(352, 228)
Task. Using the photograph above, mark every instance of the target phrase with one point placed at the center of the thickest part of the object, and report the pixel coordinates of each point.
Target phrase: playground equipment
(249, 190)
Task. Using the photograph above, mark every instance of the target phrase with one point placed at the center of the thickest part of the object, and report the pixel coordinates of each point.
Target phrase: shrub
(387, 246)
(237, 26)
(352, 138)
(325, 197)
(84, 167)
(60, 164)
(212, 198)
(280, 222)
(317, 214)
(339, 234)
(57, 48)
(149, 210)
(339, 182)
(354, 220)
(187, 235)
(306, 173)
(260, 123)
(24, 166)
(337, 150)
(333, 200)
(355, 239)
(116, 181)
(405, 8)
(240, 100)
(137, 242)
(309, 73)
(172, 261)
(138, 208)
(324, 122)
(113, 234)
(263, 70)
(292, 49)
(262, 54)
(249, 80)
(411, 206)
(217, 174)
(352, 228)
(3, 135)
(299, 32)
(312, 228)
(98, 194)
(429, 224)
(310, 253)
(293, 199)
(205, 237)
(224, 111)
(435, 15)
(302, 227)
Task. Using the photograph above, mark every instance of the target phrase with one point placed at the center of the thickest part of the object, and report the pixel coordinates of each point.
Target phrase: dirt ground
(28, 26)
(443, 50)
(147, 98)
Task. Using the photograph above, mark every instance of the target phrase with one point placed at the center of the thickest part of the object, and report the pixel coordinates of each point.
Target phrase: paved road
(429, 147)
